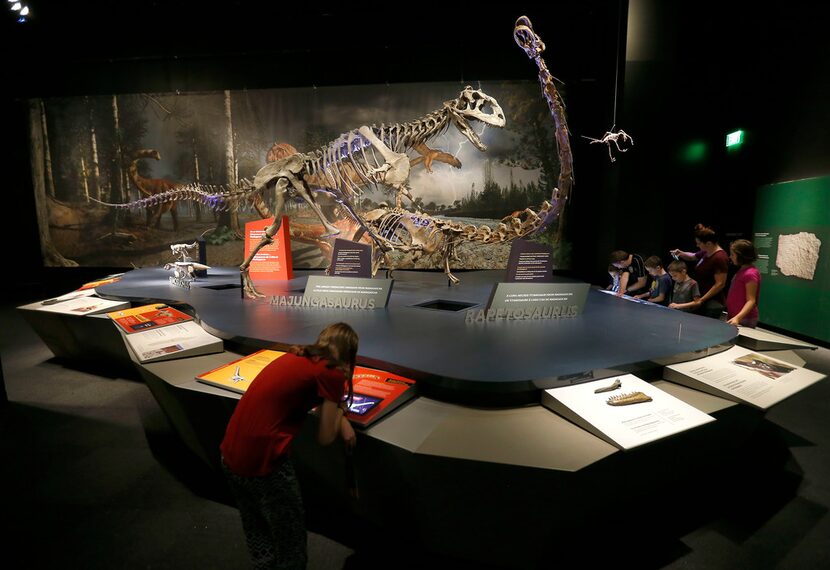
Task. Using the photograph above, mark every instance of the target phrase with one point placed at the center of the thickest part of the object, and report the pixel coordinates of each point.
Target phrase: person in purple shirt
(710, 272)
(745, 289)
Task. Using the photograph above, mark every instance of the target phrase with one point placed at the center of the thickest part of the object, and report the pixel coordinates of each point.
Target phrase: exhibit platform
(476, 445)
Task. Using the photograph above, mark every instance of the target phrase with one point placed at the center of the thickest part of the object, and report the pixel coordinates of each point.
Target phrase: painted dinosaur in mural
(150, 187)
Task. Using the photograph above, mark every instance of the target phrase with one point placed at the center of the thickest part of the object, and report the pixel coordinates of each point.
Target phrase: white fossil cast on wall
(798, 254)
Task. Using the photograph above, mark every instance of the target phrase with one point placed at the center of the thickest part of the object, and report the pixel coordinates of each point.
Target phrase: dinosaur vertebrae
(219, 200)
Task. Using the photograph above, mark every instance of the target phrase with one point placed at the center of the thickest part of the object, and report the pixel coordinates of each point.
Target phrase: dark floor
(92, 477)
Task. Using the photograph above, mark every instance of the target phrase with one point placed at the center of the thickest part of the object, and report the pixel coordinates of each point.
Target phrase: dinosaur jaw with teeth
(462, 125)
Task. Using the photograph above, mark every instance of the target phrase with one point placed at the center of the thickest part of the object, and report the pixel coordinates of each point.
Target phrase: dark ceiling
(67, 47)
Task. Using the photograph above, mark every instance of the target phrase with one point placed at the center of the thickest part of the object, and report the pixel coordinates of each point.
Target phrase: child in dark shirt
(661, 284)
(633, 276)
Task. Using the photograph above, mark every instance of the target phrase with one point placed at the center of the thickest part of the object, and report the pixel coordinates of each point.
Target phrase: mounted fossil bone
(420, 234)
(533, 46)
(628, 399)
(610, 388)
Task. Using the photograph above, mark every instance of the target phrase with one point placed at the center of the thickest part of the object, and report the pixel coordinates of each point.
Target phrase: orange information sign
(104, 281)
(148, 317)
(236, 376)
(376, 393)
(273, 261)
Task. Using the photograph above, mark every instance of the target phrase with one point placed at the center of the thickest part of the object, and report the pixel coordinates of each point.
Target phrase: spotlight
(17, 6)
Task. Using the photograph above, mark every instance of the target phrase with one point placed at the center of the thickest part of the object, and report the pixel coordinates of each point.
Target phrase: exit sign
(735, 138)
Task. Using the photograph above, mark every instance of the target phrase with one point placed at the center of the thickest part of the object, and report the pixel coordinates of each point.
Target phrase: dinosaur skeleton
(612, 137)
(397, 229)
(182, 250)
(184, 272)
(370, 155)
(533, 46)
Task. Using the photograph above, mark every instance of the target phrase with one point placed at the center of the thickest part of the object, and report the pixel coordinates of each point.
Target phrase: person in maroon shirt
(710, 272)
(257, 443)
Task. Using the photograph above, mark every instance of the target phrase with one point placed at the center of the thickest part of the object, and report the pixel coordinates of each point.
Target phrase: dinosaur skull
(474, 104)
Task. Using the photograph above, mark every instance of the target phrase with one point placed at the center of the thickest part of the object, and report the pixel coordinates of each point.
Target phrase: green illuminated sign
(734, 139)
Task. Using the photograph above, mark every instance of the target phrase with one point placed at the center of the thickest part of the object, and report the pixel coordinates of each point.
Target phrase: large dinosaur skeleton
(370, 155)
(533, 46)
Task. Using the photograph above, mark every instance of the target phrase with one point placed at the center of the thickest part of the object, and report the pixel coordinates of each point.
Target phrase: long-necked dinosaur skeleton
(533, 46)
(369, 155)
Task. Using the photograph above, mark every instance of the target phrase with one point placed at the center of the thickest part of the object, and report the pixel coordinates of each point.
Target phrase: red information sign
(274, 260)
(376, 393)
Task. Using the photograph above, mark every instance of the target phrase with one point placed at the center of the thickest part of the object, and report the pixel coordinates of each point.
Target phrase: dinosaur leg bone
(267, 237)
(303, 190)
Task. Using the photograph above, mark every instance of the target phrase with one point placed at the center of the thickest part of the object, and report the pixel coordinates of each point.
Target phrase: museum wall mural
(470, 175)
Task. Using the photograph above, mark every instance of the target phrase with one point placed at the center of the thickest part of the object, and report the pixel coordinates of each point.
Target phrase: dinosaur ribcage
(390, 228)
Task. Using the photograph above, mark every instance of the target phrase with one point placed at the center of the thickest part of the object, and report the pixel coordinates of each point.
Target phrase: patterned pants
(272, 516)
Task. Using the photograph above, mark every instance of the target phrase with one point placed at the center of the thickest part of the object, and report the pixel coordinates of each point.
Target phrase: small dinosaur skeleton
(628, 399)
(612, 137)
(182, 250)
(369, 155)
(184, 272)
(614, 386)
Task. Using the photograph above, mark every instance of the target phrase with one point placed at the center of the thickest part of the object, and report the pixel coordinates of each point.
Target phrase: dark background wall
(691, 74)
(695, 72)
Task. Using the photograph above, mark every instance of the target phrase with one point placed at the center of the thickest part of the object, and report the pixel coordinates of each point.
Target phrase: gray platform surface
(439, 348)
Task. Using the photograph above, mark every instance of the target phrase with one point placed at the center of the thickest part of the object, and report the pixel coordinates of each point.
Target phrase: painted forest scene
(122, 148)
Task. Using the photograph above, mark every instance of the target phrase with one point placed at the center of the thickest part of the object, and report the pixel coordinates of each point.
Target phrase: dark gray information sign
(326, 292)
(351, 259)
(519, 301)
(529, 262)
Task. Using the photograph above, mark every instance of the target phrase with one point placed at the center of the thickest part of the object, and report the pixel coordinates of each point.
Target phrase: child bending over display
(614, 272)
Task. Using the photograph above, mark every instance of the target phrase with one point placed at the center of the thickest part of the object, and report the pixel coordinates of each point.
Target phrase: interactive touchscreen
(361, 404)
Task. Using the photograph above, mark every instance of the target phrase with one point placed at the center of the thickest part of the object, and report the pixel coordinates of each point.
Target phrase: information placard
(147, 317)
(180, 340)
(624, 410)
(743, 375)
(273, 261)
(79, 306)
(351, 259)
(325, 292)
(529, 262)
(537, 300)
(376, 394)
(236, 376)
